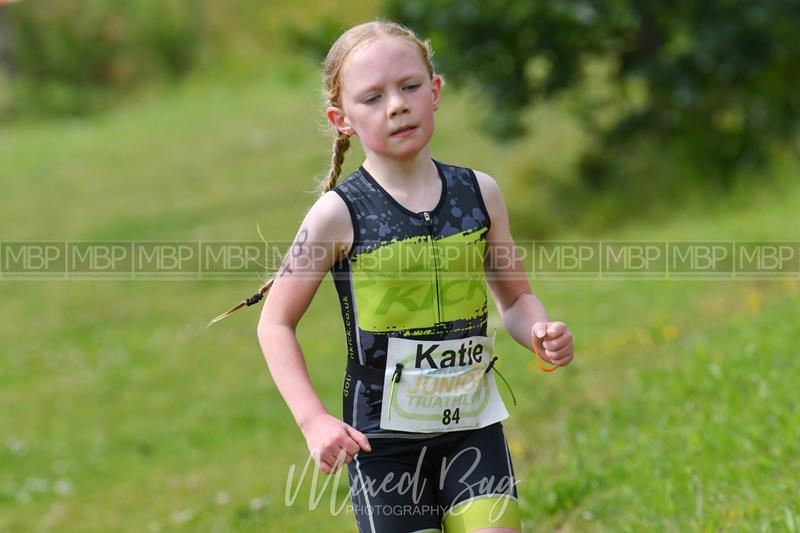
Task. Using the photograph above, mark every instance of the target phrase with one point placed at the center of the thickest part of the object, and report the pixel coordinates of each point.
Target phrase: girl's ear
(436, 85)
(339, 121)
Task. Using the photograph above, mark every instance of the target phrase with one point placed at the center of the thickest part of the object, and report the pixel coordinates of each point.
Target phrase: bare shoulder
(492, 195)
(329, 209)
(328, 220)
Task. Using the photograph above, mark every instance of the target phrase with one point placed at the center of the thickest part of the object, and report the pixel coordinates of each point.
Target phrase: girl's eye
(413, 86)
(371, 99)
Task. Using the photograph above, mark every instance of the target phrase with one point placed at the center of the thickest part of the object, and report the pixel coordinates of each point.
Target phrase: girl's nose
(397, 105)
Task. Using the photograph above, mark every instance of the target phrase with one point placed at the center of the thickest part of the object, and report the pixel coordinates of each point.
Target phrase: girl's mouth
(404, 131)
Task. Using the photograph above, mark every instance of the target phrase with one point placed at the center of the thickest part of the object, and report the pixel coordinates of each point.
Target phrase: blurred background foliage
(666, 100)
(67, 58)
(675, 94)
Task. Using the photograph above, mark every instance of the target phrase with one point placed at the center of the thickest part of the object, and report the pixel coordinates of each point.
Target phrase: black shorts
(456, 481)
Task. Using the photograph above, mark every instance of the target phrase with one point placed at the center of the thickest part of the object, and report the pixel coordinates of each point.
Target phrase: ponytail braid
(340, 145)
(254, 299)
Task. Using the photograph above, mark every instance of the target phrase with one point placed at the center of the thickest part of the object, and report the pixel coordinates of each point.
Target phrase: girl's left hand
(553, 341)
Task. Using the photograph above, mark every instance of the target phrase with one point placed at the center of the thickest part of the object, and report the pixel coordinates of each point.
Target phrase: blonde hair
(340, 50)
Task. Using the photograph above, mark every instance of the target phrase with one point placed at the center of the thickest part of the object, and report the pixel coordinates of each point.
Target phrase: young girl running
(411, 243)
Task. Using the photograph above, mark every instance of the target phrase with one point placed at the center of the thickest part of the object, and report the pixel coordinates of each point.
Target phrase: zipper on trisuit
(427, 216)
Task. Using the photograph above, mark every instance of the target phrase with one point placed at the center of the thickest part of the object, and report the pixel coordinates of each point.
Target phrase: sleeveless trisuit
(419, 277)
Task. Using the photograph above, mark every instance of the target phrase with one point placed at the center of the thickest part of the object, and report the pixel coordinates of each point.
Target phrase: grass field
(121, 412)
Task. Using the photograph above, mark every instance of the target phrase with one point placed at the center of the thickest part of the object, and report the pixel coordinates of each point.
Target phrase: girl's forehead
(381, 58)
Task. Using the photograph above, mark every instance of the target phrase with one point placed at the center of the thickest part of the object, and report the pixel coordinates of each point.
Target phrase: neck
(404, 174)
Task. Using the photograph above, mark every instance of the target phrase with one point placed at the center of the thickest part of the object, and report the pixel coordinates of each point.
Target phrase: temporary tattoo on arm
(296, 251)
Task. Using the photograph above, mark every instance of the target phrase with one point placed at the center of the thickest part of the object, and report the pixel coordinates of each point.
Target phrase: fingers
(360, 439)
(330, 463)
(350, 447)
(553, 342)
(539, 330)
(321, 461)
(556, 329)
(559, 346)
(548, 330)
(561, 357)
(352, 442)
(338, 459)
(340, 447)
(558, 343)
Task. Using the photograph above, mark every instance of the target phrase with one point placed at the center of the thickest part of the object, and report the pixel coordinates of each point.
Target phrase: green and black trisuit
(412, 291)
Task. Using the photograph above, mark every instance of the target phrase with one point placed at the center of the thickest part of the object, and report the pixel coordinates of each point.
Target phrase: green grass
(121, 412)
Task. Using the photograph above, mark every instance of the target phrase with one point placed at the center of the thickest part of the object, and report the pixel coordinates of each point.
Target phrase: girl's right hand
(332, 443)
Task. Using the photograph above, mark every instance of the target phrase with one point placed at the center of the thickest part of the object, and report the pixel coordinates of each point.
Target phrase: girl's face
(387, 98)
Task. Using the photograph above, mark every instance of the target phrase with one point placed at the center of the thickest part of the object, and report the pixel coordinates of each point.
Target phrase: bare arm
(523, 314)
(297, 282)
(325, 234)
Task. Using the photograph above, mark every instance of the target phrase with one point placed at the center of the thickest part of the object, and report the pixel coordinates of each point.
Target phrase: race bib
(442, 386)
